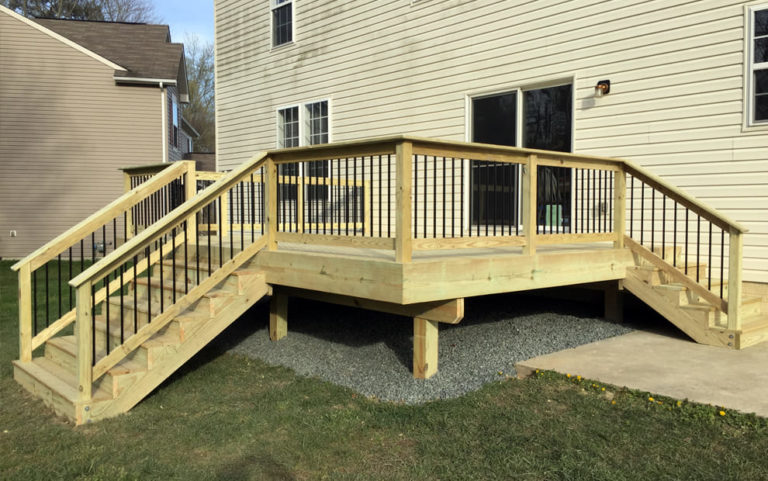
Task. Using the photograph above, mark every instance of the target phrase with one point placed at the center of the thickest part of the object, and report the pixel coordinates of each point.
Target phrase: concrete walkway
(670, 366)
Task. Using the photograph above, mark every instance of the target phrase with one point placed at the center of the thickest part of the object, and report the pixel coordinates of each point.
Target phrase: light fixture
(603, 87)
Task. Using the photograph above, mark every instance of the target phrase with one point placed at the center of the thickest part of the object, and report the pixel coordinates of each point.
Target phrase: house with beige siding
(78, 101)
(678, 87)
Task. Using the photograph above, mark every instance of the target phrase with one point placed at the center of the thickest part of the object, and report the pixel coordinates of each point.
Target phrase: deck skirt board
(441, 277)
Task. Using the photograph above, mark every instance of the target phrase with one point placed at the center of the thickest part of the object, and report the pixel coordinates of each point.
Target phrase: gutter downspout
(164, 110)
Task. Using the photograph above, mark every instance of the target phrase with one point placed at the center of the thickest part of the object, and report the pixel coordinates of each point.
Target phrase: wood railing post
(530, 179)
(25, 313)
(620, 207)
(270, 198)
(403, 202)
(735, 253)
(128, 218)
(190, 190)
(84, 339)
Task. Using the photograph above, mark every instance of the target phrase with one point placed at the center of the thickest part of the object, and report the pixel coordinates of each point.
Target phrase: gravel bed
(370, 352)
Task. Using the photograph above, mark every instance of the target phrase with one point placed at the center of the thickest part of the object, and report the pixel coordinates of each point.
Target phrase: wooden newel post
(404, 181)
(129, 218)
(735, 253)
(25, 313)
(620, 208)
(270, 185)
(530, 189)
(190, 190)
(84, 338)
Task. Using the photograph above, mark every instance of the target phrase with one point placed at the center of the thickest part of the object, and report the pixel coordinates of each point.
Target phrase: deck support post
(270, 185)
(530, 189)
(190, 190)
(404, 171)
(620, 207)
(735, 253)
(424, 348)
(614, 302)
(278, 315)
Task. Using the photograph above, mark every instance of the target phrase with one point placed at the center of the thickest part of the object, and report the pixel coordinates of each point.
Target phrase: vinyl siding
(676, 69)
(65, 130)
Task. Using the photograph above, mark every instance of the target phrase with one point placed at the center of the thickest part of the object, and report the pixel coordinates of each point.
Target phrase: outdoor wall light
(603, 87)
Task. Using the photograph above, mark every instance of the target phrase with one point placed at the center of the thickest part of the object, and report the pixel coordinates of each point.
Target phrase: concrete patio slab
(670, 366)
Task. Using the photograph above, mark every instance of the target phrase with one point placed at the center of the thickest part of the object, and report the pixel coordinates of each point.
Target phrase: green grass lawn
(230, 417)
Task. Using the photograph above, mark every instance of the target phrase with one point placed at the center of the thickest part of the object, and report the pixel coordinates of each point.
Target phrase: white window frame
(304, 127)
(274, 5)
(750, 67)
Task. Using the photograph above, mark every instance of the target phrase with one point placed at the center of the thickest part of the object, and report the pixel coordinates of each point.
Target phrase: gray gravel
(370, 352)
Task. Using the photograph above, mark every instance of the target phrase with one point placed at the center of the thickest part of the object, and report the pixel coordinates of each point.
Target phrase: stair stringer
(703, 334)
(176, 356)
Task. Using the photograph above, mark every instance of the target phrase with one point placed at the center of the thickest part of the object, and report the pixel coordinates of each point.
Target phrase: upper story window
(282, 22)
(759, 64)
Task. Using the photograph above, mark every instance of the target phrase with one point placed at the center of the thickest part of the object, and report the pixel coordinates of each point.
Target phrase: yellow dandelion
(603, 389)
(679, 403)
(568, 376)
(578, 378)
(659, 402)
(537, 371)
(613, 402)
(722, 413)
(650, 399)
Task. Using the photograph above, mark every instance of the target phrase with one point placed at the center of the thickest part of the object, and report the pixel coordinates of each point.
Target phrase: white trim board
(61, 39)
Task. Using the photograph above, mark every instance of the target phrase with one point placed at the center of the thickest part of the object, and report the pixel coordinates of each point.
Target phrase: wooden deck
(387, 231)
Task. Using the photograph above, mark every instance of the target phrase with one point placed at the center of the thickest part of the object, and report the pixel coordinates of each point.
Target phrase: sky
(193, 17)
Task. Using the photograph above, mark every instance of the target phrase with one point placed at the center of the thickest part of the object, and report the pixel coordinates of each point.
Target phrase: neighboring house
(78, 101)
(688, 84)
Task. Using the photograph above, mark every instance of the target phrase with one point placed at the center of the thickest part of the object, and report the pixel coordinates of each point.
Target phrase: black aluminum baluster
(389, 195)
(93, 325)
(354, 196)
(173, 264)
(197, 246)
(381, 206)
(444, 166)
(631, 206)
(106, 308)
(709, 259)
(698, 246)
(426, 194)
(461, 199)
(135, 295)
(653, 218)
(242, 217)
(576, 215)
(663, 226)
(122, 307)
(642, 213)
(149, 287)
(58, 277)
(253, 210)
(93, 248)
(370, 187)
(346, 196)
(686, 241)
(487, 209)
(221, 231)
(231, 208)
(162, 289)
(209, 237)
(71, 305)
(453, 197)
(47, 297)
(674, 237)
(34, 300)
(493, 200)
(434, 197)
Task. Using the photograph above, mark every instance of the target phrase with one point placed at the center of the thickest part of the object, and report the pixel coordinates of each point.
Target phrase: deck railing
(401, 194)
(46, 305)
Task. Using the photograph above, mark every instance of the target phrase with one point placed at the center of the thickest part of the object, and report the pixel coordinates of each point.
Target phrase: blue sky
(193, 17)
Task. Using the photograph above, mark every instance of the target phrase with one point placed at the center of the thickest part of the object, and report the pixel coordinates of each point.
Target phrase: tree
(200, 112)
(140, 11)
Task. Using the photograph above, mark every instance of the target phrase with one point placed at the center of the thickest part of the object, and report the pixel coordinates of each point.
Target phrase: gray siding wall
(677, 69)
(65, 130)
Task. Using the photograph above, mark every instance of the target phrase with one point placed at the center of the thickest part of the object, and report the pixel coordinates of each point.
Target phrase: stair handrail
(87, 369)
(52, 248)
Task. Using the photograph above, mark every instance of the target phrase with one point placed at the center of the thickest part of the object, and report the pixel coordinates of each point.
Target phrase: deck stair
(686, 308)
(112, 307)
(53, 376)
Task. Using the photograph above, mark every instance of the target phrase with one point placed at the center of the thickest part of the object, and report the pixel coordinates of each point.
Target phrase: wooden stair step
(59, 380)
(166, 284)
